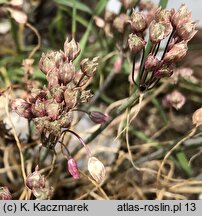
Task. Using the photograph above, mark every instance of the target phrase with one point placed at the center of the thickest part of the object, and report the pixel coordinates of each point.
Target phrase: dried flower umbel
(176, 28)
(51, 108)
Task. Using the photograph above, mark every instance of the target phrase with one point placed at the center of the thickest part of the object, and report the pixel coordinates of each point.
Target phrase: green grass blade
(79, 6)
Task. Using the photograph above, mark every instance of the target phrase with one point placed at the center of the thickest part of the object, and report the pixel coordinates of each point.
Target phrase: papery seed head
(22, 108)
(96, 169)
(163, 16)
(197, 117)
(5, 194)
(159, 30)
(47, 62)
(35, 180)
(177, 52)
(187, 31)
(151, 62)
(66, 73)
(71, 49)
(73, 168)
(136, 44)
(43, 193)
(138, 21)
(38, 108)
(88, 67)
(53, 110)
(181, 16)
(119, 22)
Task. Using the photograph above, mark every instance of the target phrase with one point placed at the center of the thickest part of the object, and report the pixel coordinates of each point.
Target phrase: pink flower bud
(197, 117)
(66, 73)
(120, 22)
(96, 169)
(5, 194)
(175, 99)
(187, 31)
(177, 52)
(98, 117)
(73, 168)
(135, 43)
(22, 108)
(35, 180)
(138, 22)
(159, 30)
(151, 62)
(71, 49)
(47, 62)
(88, 67)
(43, 193)
(117, 64)
(180, 17)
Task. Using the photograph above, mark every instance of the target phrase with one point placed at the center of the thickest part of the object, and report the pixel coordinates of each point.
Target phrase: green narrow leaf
(79, 5)
(160, 109)
(184, 163)
(100, 6)
(74, 19)
(163, 3)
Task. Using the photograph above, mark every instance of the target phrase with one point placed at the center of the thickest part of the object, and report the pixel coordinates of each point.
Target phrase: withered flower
(136, 44)
(96, 169)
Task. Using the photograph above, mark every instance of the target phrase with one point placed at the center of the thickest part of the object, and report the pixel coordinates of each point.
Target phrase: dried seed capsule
(88, 67)
(177, 52)
(96, 169)
(5, 194)
(135, 43)
(35, 180)
(197, 117)
(71, 49)
(159, 30)
(47, 62)
(66, 73)
(138, 22)
(22, 108)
